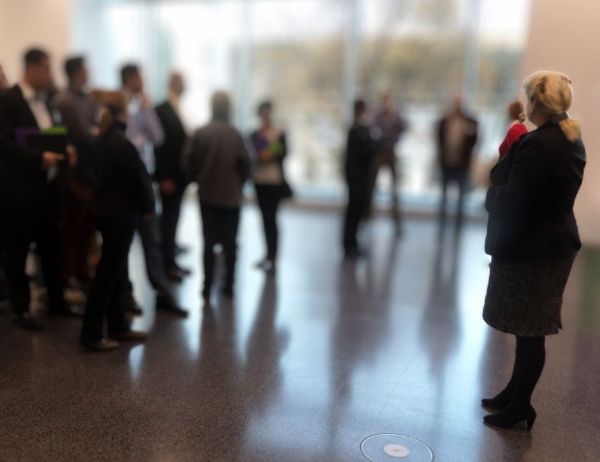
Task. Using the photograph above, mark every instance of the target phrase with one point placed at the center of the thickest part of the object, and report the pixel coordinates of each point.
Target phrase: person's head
(359, 110)
(176, 84)
(457, 105)
(131, 78)
(265, 112)
(387, 101)
(77, 72)
(549, 97)
(114, 108)
(221, 106)
(37, 69)
(516, 111)
(3, 79)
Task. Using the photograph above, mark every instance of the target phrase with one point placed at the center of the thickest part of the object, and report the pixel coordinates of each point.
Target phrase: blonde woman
(532, 237)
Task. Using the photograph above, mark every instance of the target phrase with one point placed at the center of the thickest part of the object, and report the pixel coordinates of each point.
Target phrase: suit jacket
(360, 149)
(530, 202)
(468, 144)
(23, 181)
(169, 153)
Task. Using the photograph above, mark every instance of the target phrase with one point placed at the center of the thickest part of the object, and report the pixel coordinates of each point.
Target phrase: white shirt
(37, 104)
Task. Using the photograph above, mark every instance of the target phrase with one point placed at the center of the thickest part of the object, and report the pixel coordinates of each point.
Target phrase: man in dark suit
(169, 174)
(28, 188)
(456, 136)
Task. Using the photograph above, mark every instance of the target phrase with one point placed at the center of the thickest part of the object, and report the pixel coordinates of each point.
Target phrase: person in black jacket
(169, 173)
(29, 189)
(532, 237)
(360, 150)
(3, 293)
(123, 193)
(456, 137)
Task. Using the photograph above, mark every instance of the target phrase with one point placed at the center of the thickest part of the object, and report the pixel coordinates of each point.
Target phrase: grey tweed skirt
(525, 298)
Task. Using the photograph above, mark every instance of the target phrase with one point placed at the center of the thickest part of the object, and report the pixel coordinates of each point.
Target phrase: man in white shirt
(28, 206)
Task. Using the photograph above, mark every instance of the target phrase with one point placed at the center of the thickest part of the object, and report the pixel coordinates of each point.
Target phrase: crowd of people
(76, 164)
(80, 172)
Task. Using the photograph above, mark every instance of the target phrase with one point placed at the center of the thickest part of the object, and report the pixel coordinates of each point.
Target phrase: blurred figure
(217, 159)
(3, 79)
(360, 150)
(456, 136)
(79, 113)
(3, 292)
(269, 145)
(28, 188)
(144, 131)
(124, 193)
(388, 126)
(533, 239)
(516, 116)
(169, 173)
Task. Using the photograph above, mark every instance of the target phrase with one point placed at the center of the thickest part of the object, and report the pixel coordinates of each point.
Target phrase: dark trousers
(19, 230)
(385, 159)
(269, 197)
(459, 177)
(219, 226)
(358, 203)
(171, 208)
(149, 231)
(106, 298)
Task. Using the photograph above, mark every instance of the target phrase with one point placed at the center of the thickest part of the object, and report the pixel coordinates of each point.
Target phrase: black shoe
(511, 416)
(132, 307)
(104, 344)
(206, 293)
(173, 275)
(166, 303)
(183, 271)
(498, 402)
(130, 336)
(27, 322)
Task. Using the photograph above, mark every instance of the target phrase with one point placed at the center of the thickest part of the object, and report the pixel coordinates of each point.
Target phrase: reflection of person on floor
(456, 136)
(360, 149)
(216, 158)
(388, 126)
(517, 129)
(269, 146)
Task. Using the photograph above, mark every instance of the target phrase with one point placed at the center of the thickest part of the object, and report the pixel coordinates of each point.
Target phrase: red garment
(515, 132)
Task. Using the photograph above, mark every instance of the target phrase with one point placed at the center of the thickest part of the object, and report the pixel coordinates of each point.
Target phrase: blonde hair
(552, 94)
(114, 105)
(516, 111)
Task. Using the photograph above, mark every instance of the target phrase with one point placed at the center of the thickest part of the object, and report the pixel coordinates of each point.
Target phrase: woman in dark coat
(124, 191)
(532, 237)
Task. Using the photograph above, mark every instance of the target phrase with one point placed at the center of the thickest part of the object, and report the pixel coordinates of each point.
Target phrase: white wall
(564, 36)
(25, 23)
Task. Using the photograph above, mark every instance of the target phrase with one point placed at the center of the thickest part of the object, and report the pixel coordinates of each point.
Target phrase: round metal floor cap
(389, 447)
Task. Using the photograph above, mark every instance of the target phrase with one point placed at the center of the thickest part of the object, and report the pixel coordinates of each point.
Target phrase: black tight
(530, 358)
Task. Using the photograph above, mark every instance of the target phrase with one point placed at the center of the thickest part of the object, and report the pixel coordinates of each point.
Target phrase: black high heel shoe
(498, 402)
(508, 418)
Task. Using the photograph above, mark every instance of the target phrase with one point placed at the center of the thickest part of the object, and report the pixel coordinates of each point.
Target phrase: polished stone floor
(305, 366)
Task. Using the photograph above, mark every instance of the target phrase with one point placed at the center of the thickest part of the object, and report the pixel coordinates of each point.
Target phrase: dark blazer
(23, 182)
(124, 187)
(169, 153)
(360, 149)
(469, 141)
(530, 202)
